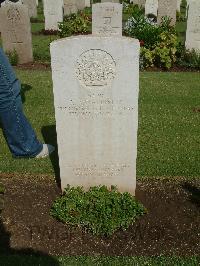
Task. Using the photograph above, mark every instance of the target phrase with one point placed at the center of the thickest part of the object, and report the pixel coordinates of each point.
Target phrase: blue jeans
(20, 136)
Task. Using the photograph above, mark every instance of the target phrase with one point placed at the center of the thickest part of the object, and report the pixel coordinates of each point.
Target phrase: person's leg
(20, 136)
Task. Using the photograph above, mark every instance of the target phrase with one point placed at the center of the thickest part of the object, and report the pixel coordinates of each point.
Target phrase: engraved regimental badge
(95, 67)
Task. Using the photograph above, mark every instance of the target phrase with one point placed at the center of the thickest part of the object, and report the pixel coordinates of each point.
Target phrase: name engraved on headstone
(91, 108)
(106, 170)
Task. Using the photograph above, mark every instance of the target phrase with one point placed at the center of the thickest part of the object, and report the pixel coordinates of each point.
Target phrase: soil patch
(34, 66)
(171, 227)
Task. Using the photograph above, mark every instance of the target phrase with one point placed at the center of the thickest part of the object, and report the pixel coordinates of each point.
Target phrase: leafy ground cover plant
(99, 210)
(13, 57)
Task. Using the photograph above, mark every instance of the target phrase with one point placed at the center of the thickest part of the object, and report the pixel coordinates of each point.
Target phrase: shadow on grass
(49, 135)
(194, 193)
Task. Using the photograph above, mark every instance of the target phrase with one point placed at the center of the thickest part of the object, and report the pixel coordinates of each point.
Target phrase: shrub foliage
(79, 23)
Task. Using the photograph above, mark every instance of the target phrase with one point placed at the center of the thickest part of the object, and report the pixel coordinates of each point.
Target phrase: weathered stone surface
(178, 5)
(9, 2)
(96, 83)
(151, 7)
(53, 12)
(16, 31)
(111, 1)
(193, 26)
(32, 7)
(107, 19)
(167, 8)
(70, 7)
(87, 3)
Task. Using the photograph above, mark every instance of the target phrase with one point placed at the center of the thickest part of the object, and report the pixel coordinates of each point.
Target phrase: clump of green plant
(159, 42)
(164, 54)
(180, 17)
(79, 23)
(129, 9)
(99, 210)
(189, 59)
(13, 57)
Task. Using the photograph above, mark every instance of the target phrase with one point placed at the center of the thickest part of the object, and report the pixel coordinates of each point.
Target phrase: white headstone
(178, 5)
(107, 19)
(80, 4)
(167, 8)
(96, 84)
(87, 3)
(32, 7)
(193, 26)
(151, 7)
(70, 7)
(111, 1)
(53, 12)
(16, 31)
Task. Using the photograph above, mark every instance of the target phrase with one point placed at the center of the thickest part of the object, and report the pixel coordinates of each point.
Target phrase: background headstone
(151, 7)
(111, 1)
(178, 5)
(193, 26)
(107, 19)
(87, 3)
(70, 7)
(167, 8)
(32, 7)
(16, 31)
(80, 4)
(96, 83)
(53, 12)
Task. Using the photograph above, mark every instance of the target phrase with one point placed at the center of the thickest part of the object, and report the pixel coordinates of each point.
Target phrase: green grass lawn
(97, 261)
(168, 136)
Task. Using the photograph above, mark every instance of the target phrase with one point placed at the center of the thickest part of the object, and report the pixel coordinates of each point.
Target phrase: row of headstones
(16, 29)
(54, 10)
(30, 4)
